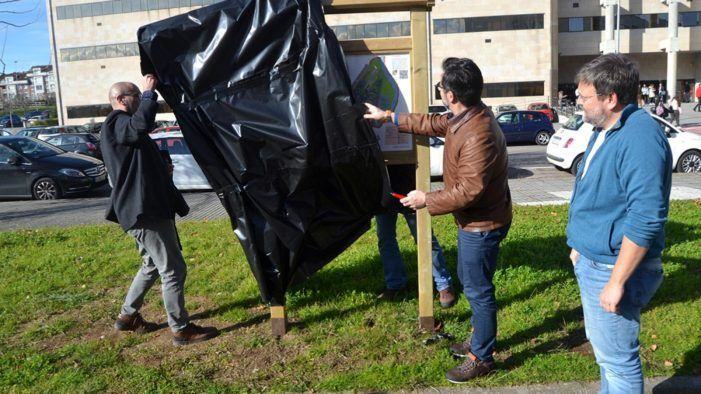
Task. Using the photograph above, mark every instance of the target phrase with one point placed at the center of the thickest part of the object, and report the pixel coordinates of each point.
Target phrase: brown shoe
(134, 323)
(193, 334)
(461, 349)
(447, 298)
(470, 369)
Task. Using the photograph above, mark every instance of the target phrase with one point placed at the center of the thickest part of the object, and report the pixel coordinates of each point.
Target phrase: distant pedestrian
(676, 109)
(697, 107)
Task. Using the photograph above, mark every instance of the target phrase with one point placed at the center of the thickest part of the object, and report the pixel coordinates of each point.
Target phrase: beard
(595, 118)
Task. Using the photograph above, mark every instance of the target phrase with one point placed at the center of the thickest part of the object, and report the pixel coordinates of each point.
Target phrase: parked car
(4, 133)
(526, 126)
(50, 130)
(11, 121)
(84, 143)
(36, 115)
(187, 174)
(166, 129)
(93, 127)
(566, 148)
(35, 132)
(505, 108)
(546, 109)
(436, 145)
(32, 168)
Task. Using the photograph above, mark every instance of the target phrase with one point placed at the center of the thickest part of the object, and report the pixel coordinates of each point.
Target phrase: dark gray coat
(141, 185)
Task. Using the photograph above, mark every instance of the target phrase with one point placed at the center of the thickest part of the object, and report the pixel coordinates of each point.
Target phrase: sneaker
(470, 369)
(461, 349)
(134, 323)
(193, 333)
(393, 294)
(447, 298)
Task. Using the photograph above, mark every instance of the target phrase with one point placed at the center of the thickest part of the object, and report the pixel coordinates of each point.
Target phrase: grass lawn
(62, 288)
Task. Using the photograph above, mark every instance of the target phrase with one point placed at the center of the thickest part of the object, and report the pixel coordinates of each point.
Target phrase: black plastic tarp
(262, 94)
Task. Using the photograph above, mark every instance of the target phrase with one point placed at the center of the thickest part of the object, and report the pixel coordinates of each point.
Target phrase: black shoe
(461, 349)
(470, 369)
(134, 323)
(393, 294)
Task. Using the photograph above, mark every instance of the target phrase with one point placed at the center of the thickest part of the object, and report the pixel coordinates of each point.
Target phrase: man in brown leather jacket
(475, 172)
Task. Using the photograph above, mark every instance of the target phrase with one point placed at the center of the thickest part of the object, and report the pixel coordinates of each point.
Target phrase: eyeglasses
(586, 98)
(439, 85)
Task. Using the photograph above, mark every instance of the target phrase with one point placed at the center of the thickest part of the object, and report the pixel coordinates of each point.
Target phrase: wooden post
(420, 100)
(278, 320)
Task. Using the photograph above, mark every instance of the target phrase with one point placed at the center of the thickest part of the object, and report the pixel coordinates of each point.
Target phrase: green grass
(62, 288)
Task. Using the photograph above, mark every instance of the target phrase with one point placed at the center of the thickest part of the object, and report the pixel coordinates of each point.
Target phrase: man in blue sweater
(617, 215)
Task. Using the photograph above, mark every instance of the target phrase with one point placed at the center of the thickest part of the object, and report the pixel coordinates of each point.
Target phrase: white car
(566, 147)
(187, 174)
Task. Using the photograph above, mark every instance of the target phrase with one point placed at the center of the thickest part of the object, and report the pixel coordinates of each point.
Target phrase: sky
(24, 46)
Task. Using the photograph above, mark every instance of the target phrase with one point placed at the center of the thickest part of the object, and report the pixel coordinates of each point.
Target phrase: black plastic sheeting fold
(262, 94)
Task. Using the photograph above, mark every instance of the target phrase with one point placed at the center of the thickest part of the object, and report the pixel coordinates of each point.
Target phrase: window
(85, 10)
(61, 12)
(576, 24)
(488, 23)
(508, 118)
(107, 8)
(689, 19)
(440, 26)
(5, 154)
(513, 89)
(117, 6)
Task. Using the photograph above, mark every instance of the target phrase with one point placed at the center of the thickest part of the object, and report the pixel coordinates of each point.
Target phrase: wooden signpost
(416, 46)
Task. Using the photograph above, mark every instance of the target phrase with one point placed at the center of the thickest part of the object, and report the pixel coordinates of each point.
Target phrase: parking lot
(532, 179)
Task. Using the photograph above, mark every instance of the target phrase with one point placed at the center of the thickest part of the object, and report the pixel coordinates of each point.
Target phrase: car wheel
(689, 161)
(542, 138)
(576, 163)
(46, 189)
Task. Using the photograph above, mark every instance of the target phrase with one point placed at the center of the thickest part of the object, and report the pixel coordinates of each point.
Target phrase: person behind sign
(475, 172)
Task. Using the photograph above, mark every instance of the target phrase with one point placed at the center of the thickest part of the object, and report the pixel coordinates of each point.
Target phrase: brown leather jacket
(475, 167)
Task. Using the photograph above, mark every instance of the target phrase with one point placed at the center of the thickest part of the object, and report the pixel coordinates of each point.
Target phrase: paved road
(533, 181)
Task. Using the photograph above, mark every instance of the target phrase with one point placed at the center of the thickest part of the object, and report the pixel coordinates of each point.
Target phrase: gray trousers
(157, 241)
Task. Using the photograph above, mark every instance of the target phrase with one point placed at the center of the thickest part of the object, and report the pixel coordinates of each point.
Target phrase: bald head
(124, 96)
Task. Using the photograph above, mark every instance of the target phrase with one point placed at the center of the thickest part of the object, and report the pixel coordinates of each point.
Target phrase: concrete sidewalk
(658, 385)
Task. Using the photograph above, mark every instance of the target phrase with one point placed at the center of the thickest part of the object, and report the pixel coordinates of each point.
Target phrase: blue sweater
(625, 191)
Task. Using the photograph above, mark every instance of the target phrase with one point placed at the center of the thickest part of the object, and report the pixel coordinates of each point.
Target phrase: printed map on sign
(384, 82)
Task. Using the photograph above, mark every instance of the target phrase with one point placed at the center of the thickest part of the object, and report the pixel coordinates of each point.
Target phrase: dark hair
(612, 73)
(464, 79)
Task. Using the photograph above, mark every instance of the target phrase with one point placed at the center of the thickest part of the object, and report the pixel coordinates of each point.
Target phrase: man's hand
(574, 256)
(374, 113)
(416, 199)
(611, 296)
(149, 83)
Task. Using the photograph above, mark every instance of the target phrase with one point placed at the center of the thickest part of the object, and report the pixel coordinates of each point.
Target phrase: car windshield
(33, 149)
(574, 123)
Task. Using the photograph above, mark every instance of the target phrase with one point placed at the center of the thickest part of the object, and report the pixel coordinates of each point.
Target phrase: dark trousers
(477, 261)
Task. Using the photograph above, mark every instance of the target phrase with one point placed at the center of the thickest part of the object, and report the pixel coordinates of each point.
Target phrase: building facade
(528, 51)
(37, 84)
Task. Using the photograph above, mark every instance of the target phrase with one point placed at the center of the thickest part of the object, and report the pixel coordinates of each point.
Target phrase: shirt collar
(458, 120)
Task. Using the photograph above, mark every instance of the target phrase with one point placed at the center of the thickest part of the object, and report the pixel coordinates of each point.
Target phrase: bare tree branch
(8, 1)
(36, 5)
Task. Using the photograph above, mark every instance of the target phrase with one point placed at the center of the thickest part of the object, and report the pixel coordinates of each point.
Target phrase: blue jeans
(392, 263)
(614, 336)
(477, 261)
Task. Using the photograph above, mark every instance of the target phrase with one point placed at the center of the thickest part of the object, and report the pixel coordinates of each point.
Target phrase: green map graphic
(375, 85)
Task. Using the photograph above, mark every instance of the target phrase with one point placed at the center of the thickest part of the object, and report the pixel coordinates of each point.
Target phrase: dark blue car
(10, 121)
(526, 126)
